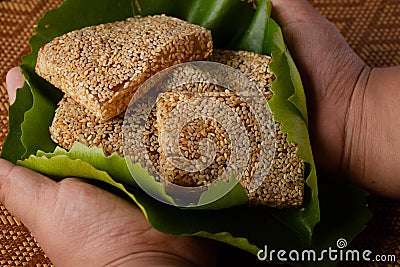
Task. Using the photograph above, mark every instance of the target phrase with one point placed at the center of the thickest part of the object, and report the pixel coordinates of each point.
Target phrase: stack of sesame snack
(99, 68)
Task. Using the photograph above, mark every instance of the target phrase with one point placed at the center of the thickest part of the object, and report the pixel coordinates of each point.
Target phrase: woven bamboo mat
(372, 28)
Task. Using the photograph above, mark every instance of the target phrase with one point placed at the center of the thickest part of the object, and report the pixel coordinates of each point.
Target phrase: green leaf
(288, 104)
(343, 214)
(61, 166)
(13, 149)
(247, 228)
(339, 200)
(121, 170)
(296, 128)
(237, 196)
(258, 31)
(152, 187)
(228, 225)
(206, 13)
(337, 217)
(114, 165)
(43, 107)
(298, 98)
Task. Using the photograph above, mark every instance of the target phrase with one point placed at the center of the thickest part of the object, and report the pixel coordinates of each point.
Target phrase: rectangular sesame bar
(100, 67)
(183, 121)
(73, 123)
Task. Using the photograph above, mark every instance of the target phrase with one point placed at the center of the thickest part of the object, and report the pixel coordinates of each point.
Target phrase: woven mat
(372, 28)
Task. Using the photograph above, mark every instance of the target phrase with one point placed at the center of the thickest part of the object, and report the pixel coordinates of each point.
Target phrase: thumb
(14, 80)
(77, 213)
(330, 71)
(23, 191)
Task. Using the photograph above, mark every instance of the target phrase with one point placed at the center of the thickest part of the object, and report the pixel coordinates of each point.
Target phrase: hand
(78, 224)
(353, 109)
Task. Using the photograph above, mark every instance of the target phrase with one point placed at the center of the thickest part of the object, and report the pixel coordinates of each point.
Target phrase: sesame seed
(282, 186)
(123, 53)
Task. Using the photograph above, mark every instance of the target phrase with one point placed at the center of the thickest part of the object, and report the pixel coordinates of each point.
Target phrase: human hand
(78, 224)
(353, 109)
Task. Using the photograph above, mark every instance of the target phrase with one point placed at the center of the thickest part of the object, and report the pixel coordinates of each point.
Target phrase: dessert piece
(100, 67)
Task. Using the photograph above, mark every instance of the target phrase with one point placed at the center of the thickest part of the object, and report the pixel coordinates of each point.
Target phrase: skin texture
(78, 224)
(353, 126)
(352, 108)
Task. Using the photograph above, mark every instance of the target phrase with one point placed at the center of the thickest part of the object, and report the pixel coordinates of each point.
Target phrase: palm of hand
(93, 227)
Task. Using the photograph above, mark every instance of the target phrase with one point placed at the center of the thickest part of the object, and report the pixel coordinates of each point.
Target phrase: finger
(25, 193)
(14, 80)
